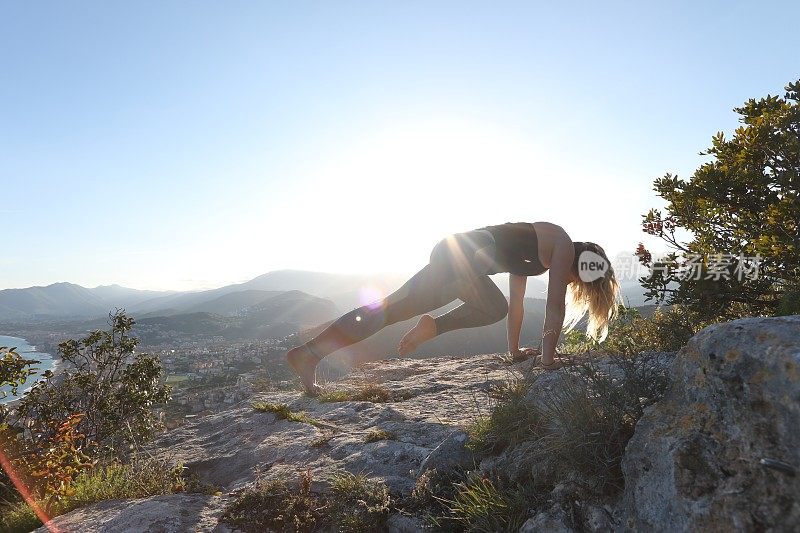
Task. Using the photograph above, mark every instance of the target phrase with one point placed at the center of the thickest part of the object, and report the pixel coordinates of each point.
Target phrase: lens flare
(26, 494)
(370, 296)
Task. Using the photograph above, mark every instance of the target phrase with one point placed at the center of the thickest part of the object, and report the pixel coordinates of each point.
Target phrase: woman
(459, 268)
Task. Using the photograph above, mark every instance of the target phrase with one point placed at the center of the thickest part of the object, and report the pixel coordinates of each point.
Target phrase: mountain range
(346, 291)
(68, 300)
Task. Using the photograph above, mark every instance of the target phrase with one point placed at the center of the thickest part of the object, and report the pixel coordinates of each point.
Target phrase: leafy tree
(14, 369)
(106, 381)
(743, 204)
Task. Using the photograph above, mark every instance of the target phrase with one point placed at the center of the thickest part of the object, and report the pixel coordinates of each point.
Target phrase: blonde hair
(599, 297)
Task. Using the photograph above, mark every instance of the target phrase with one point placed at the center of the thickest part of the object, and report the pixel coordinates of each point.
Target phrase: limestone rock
(721, 451)
(171, 513)
(550, 521)
(451, 454)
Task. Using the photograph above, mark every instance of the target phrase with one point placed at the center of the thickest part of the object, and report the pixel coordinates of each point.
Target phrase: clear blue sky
(193, 144)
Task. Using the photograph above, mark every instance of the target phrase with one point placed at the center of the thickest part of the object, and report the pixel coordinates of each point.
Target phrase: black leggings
(457, 270)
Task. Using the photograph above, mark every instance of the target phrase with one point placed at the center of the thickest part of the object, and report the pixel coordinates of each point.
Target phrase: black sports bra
(516, 249)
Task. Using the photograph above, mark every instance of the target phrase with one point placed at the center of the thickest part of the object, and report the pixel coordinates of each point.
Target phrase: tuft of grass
(510, 422)
(480, 504)
(432, 490)
(18, 517)
(359, 504)
(138, 479)
(272, 504)
(577, 430)
(354, 504)
(282, 412)
(375, 435)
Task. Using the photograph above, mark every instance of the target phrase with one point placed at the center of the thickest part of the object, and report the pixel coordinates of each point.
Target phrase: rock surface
(171, 513)
(720, 452)
(695, 460)
(229, 449)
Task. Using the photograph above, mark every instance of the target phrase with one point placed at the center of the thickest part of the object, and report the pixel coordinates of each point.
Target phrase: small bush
(355, 504)
(358, 504)
(431, 494)
(138, 479)
(666, 330)
(790, 302)
(105, 379)
(271, 504)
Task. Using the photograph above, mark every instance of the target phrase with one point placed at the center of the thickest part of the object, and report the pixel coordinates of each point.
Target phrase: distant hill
(275, 316)
(62, 300)
(58, 299)
(233, 303)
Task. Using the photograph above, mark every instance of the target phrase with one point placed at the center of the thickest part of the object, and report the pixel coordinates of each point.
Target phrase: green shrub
(138, 479)
(510, 421)
(272, 504)
(666, 330)
(790, 302)
(432, 490)
(14, 369)
(358, 504)
(104, 379)
(355, 504)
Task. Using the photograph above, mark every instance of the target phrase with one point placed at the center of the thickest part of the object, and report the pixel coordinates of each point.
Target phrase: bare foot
(424, 331)
(304, 363)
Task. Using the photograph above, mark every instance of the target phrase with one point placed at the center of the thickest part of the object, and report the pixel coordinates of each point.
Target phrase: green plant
(358, 504)
(14, 370)
(271, 504)
(510, 421)
(282, 412)
(137, 479)
(432, 492)
(355, 504)
(743, 203)
(575, 430)
(790, 302)
(665, 330)
(375, 435)
(480, 504)
(105, 379)
(54, 471)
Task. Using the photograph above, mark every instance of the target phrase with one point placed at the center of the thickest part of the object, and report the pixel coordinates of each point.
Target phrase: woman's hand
(520, 354)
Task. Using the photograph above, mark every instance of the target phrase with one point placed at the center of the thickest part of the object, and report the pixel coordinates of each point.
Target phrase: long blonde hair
(599, 297)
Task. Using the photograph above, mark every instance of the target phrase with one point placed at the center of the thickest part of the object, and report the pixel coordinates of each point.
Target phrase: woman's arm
(516, 311)
(560, 266)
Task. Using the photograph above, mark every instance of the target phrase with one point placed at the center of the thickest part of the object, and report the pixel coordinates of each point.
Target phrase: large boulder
(721, 451)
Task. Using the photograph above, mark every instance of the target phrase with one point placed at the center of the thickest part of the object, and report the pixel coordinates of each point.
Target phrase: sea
(27, 351)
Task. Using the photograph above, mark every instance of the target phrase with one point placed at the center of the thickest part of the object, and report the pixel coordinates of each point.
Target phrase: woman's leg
(430, 288)
(484, 304)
